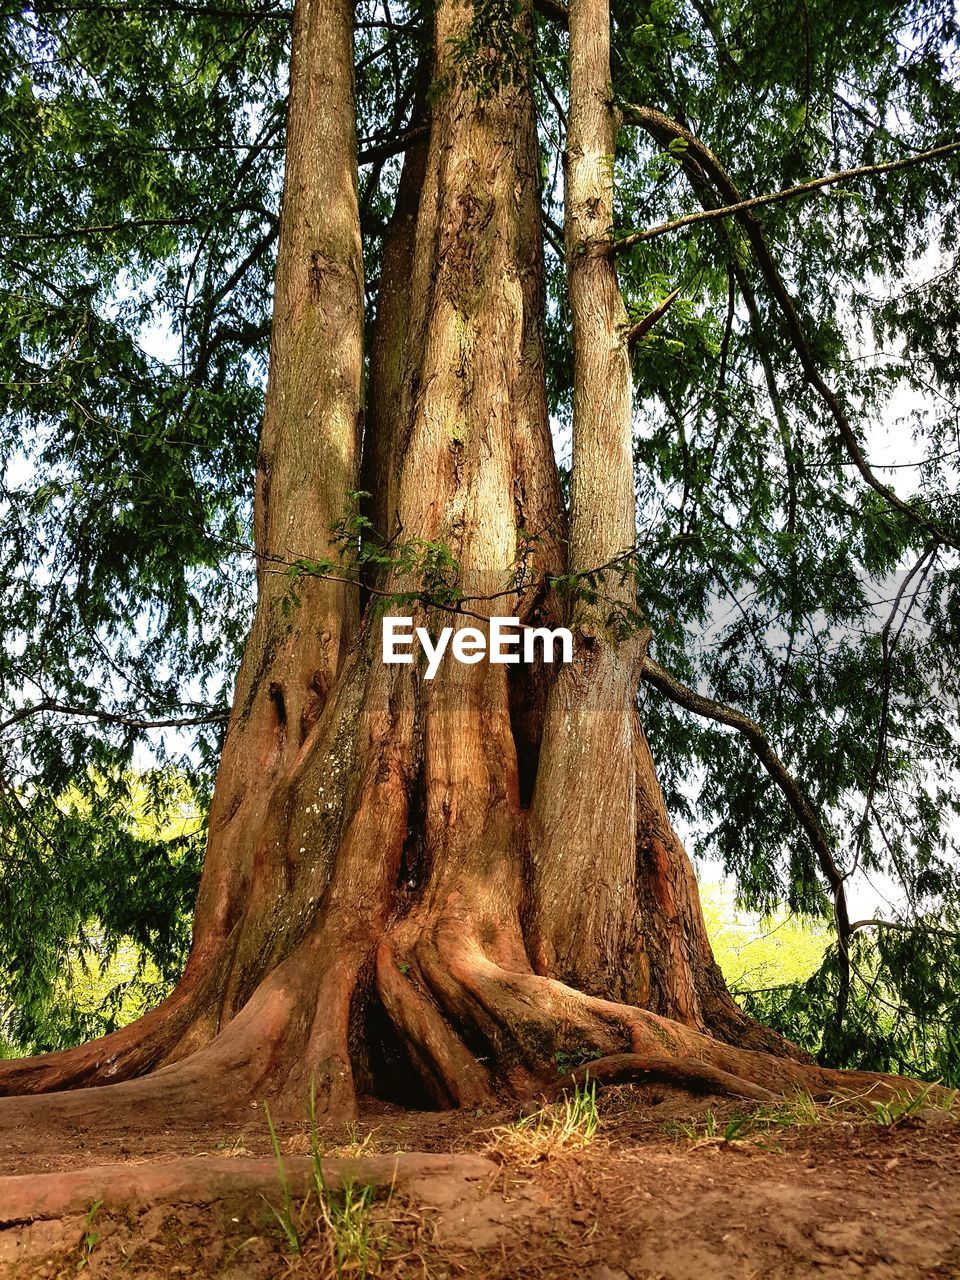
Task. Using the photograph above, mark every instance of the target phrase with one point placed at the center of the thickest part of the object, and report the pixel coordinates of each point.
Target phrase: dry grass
(303, 1144)
(566, 1126)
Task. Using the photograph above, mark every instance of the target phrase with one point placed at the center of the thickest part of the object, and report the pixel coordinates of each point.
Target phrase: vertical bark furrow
(394, 336)
(584, 926)
(306, 467)
(480, 866)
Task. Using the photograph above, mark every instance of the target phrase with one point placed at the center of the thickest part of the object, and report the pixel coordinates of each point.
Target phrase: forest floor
(667, 1188)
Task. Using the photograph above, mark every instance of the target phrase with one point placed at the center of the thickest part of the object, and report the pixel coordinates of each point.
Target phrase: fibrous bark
(435, 891)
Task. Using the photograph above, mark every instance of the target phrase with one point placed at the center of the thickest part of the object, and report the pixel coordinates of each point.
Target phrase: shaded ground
(657, 1194)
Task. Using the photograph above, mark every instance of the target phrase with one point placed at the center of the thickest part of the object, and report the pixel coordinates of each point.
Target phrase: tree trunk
(434, 891)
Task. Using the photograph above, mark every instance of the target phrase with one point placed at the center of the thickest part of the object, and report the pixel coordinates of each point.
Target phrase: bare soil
(654, 1196)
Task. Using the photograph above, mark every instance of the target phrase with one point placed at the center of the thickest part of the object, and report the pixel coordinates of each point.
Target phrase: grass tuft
(285, 1215)
(338, 1222)
(90, 1237)
(569, 1125)
(800, 1110)
(796, 1111)
(897, 1111)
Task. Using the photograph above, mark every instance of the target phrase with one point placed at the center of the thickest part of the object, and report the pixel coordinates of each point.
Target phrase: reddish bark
(431, 890)
(202, 1180)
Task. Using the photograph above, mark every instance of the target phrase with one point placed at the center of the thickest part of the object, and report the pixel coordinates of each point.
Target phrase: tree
(460, 884)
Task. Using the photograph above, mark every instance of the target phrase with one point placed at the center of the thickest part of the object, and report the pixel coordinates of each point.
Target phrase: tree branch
(133, 224)
(642, 327)
(775, 197)
(671, 687)
(553, 10)
(102, 229)
(112, 717)
(707, 173)
(392, 147)
(902, 925)
(169, 6)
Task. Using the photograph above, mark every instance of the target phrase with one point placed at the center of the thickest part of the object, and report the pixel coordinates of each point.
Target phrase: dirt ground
(667, 1189)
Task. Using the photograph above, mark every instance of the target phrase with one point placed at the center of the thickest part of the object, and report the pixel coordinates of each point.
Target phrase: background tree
(749, 491)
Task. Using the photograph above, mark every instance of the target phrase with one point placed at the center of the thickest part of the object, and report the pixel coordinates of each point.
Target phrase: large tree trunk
(433, 890)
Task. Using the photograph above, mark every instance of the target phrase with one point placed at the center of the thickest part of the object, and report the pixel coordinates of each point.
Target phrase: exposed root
(207, 1179)
(449, 1071)
(528, 1022)
(478, 1033)
(154, 1040)
(688, 1073)
(214, 1083)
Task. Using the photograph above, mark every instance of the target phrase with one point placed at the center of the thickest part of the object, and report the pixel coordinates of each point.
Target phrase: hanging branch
(706, 171)
(806, 815)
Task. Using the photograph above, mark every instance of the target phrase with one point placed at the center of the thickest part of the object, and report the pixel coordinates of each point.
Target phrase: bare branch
(113, 717)
(787, 193)
(393, 146)
(642, 327)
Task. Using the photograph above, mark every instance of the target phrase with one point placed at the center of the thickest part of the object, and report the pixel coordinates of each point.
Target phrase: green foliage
(756, 953)
(95, 924)
(713, 1129)
(896, 1112)
(140, 169)
(285, 1215)
(569, 1059)
(771, 577)
(402, 572)
(903, 1014)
